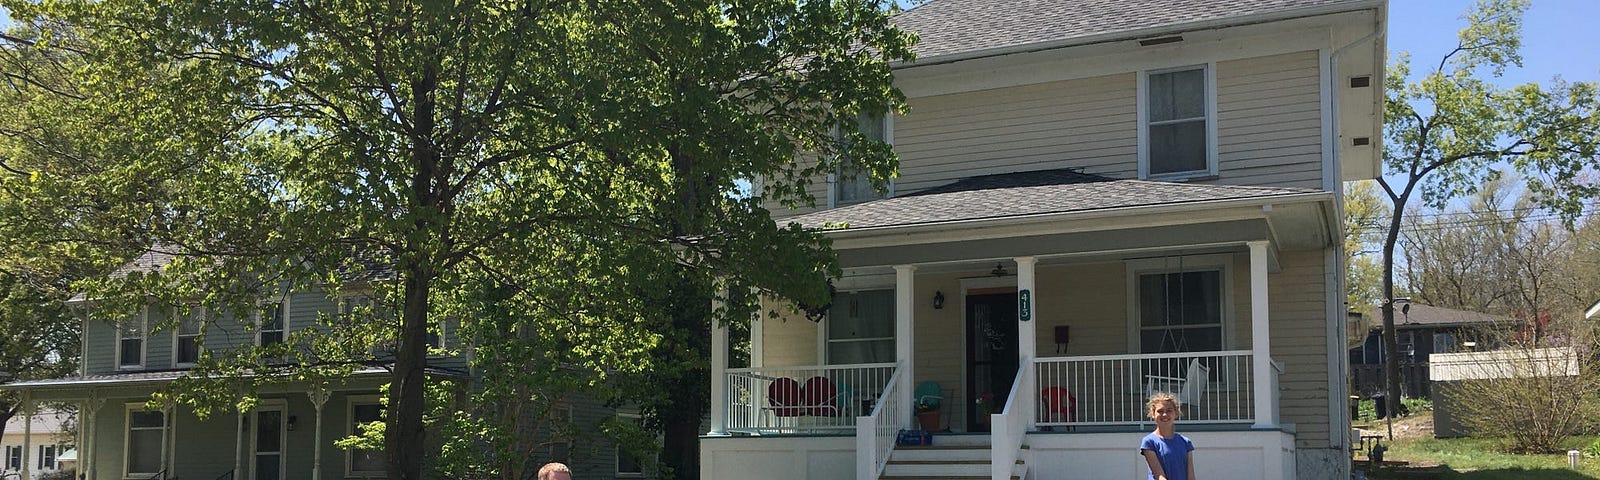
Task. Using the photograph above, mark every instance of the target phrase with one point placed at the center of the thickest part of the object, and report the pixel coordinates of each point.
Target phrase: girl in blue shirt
(1170, 455)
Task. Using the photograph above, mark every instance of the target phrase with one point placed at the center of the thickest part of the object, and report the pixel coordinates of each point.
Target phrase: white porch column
(756, 353)
(238, 445)
(319, 397)
(1266, 404)
(1027, 333)
(27, 435)
(91, 417)
(719, 364)
(904, 354)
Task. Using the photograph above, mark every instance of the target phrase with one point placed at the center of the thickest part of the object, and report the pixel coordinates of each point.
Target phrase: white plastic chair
(1189, 388)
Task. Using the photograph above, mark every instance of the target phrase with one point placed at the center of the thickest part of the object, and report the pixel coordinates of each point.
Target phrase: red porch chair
(783, 398)
(821, 395)
(1059, 405)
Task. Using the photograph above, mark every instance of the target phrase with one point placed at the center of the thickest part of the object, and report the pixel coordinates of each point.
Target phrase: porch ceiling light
(999, 270)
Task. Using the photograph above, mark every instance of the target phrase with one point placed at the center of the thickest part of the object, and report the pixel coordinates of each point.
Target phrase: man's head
(554, 471)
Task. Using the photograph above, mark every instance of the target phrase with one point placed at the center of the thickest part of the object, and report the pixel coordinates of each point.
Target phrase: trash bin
(1381, 403)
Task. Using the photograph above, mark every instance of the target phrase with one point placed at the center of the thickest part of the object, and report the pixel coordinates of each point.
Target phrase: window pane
(366, 460)
(271, 338)
(144, 419)
(851, 184)
(188, 349)
(876, 351)
(267, 467)
(132, 352)
(868, 314)
(269, 425)
(1177, 95)
(272, 317)
(1174, 340)
(368, 413)
(190, 324)
(1186, 298)
(1178, 147)
(144, 451)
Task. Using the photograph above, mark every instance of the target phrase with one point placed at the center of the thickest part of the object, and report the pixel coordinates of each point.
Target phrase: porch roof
(1024, 194)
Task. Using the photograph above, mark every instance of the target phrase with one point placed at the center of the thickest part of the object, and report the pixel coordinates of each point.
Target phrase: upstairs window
(851, 185)
(130, 342)
(1178, 124)
(187, 350)
(271, 323)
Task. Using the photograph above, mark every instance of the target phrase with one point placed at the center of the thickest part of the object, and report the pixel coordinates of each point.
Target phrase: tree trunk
(1391, 342)
(404, 437)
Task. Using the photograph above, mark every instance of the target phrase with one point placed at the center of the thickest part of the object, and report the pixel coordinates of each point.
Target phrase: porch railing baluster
(1110, 390)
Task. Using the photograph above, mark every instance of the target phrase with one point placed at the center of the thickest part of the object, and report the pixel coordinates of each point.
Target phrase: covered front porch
(1044, 331)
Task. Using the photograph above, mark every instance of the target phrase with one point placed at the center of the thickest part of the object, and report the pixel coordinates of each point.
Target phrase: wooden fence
(1366, 380)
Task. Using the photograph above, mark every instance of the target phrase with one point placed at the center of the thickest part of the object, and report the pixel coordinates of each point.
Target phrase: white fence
(1215, 387)
(809, 399)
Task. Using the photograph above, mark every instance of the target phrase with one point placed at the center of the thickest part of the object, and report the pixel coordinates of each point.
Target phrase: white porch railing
(797, 400)
(1012, 424)
(1112, 389)
(877, 431)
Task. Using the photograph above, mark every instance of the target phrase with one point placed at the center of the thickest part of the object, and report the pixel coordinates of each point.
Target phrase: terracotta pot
(929, 421)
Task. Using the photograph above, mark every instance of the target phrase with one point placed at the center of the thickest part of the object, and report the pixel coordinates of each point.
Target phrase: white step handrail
(876, 432)
(1009, 427)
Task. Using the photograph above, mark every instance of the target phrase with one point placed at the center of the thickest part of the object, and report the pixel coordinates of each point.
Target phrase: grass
(1477, 459)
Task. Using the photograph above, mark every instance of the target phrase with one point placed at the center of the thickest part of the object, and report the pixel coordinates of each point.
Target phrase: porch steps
(955, 457)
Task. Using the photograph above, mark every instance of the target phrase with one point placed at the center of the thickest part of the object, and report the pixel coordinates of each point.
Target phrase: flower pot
(929, 421)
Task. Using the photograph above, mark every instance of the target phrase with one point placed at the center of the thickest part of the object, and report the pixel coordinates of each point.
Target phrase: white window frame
(178, 336)
(127, 434)
(283, 311)
(280, 406)
(350, 429)
(144, 341)
(617, 456)
(1210, 74)
(834, 178)
(1188, 263)
(824, 326)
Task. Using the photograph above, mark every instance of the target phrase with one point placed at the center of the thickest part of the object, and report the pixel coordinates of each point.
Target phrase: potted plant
(928, 413)
(985, 406)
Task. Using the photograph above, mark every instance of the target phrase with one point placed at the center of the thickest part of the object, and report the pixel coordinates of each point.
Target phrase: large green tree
(1446, 127)
(528, 168)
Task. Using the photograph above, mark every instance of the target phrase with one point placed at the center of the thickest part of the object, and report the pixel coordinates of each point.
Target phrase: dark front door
(991, 355)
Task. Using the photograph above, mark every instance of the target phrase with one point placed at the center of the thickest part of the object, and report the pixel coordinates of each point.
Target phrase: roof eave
(1142, 33)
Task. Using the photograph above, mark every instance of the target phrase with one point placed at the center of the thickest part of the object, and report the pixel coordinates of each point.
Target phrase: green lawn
(1476, 459)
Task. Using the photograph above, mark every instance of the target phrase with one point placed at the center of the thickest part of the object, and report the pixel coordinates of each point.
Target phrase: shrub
(1532, 394)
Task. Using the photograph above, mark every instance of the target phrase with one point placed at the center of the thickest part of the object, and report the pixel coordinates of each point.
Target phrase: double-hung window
(130, 341)
(1181, 311)
(13, 457)
(628, 465)
(861, 327)
(1178, 124)
(363, 463)
(271, 323)
(47, 457)
(187, 349)
(851, 184)
(146, 438)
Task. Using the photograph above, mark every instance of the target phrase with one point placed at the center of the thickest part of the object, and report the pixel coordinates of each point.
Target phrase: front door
(267, 461)
(991, 355)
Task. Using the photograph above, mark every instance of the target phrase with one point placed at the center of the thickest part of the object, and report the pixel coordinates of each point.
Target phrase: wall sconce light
(291, 423)
(999, 270)
(938, 300)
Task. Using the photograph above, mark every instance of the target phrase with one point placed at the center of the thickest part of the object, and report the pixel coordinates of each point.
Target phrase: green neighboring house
(290, 434)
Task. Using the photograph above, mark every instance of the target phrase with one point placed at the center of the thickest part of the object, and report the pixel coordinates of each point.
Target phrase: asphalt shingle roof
(1027, 193)
(1420, 314)
(960, 26)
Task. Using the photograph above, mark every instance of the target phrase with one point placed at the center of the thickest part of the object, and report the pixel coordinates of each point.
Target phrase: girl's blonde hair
(1162, 397)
